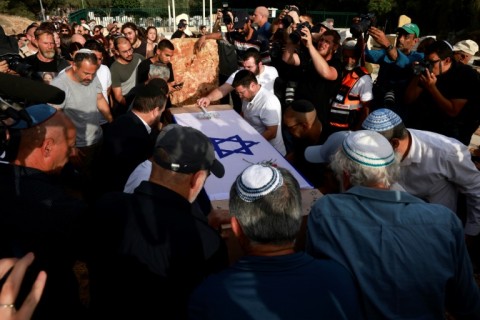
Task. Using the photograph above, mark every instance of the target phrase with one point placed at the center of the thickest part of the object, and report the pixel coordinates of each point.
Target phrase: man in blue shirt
(395, 65)
(272, 281)
(408, 256)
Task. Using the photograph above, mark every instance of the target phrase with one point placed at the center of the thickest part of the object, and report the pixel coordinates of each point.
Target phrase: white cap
(468, 46)
(323, 153)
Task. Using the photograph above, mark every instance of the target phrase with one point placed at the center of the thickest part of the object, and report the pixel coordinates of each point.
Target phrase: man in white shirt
(433, 167)
(266, 76)
(260, 108)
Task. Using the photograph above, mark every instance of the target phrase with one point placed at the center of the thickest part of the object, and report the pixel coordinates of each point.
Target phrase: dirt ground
(14, 24)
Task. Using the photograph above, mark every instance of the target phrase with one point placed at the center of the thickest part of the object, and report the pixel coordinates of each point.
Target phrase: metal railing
(159, 17)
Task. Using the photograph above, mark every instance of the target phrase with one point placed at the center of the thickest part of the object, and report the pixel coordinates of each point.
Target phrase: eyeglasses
(127, 51)
(432, 62)
(64, 30)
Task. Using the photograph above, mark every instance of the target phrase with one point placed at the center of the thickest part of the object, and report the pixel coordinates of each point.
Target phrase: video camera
(287, 20)
(15, 63)
(360, 28)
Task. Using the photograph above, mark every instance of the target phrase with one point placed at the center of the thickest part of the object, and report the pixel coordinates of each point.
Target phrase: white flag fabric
(237, 145)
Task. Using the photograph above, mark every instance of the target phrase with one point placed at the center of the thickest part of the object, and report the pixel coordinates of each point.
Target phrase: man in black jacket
(38, 216)
(129, 140)
(153, 247)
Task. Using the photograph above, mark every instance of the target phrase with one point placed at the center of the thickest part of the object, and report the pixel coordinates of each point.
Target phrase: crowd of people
(106, 179)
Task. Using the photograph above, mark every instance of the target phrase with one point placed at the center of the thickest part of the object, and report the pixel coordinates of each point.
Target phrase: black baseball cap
(188, 151)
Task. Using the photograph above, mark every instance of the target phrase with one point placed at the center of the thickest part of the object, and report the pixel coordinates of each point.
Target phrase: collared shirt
(147, 127)
(408, 257)
(254, 288)
(26, 52)
(266, 78)
(265, 111)
(436, 168)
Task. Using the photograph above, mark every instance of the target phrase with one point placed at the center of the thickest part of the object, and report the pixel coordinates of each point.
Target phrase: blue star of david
(243, 149)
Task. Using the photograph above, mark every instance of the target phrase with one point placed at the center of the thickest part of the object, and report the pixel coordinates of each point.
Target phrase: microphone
(30, 90)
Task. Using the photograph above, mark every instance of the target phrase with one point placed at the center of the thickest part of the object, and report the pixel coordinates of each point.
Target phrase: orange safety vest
(345, 106)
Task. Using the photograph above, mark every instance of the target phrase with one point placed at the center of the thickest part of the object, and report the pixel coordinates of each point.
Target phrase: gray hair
(273, 219)
(361, 175)
(159, 71)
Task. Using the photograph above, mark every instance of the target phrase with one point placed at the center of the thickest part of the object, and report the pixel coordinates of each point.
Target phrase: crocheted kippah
(381, 120)
(368, 148)
(257, 181)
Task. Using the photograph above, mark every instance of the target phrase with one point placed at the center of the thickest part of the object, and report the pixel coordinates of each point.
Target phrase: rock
(198, 72)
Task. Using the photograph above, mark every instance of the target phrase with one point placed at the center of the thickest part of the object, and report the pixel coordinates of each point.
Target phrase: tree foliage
(439, 17)
(380, 7)
(125, 4)
(3, 5)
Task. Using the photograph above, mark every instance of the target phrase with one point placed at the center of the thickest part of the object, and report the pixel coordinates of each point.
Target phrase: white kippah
(257, 181)
(368, 148)
(85, 50)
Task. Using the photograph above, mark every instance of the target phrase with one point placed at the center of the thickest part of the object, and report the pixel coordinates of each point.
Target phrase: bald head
(260, 16)
(47, 146)
(78, 38)
(263, 11)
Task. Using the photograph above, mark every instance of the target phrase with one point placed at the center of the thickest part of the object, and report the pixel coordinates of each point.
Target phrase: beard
(49, 54)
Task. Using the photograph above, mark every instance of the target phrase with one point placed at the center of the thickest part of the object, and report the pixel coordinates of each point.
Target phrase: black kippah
(302, 106)
(151, 89)
(159, 84)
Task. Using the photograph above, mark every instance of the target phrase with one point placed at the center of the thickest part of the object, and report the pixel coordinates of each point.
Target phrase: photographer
(395, 65)
(288, 19)
(322, 72)
(444, 97)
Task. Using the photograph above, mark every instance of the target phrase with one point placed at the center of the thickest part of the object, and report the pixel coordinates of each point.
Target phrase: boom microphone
(33, 91)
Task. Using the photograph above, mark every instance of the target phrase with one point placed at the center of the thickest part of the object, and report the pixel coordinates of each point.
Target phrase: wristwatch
(389, 48)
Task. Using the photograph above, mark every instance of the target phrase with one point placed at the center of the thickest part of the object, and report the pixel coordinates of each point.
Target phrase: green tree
(4, 5)
(125, 3)
(380, 7)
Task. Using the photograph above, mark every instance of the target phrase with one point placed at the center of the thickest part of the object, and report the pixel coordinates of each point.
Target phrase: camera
(225, 16)
(366, 21)
(296, 35)
(287, 21)
(421, 67)
(16, 64)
